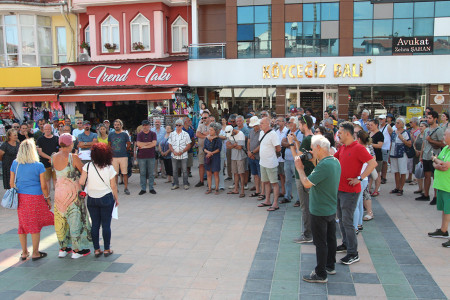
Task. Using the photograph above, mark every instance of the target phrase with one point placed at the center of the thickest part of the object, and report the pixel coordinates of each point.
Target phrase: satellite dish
(84, 57)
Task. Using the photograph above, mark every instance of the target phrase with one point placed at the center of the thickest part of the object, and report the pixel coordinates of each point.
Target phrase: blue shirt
(82, 137)
(28, 181)
(191, 133)
(159, 135)
(119, 143)
(363, 125)
(245, 130)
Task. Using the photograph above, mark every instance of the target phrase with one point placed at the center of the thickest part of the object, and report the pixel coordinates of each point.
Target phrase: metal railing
(207, 51)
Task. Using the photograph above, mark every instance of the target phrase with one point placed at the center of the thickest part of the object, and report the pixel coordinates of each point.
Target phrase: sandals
(24, 257)
(208, 192)
(98, 253)
(374, 194)
(261, 197)
(418, 192)
(400, 193)
(107, 253)
(263, 205)
(285, 201)
(241, 195)
(254, 195)
(297, 204)
(216, 192)
(273, 208)
(41, 255)
(368, 217)
(394, 191)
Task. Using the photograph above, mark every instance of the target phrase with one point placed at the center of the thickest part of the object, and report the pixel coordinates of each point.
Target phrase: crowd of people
(290, 158)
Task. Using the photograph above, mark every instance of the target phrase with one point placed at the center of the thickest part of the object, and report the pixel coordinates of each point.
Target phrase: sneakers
(84, 252)
(142, 192)
(186, 187)
(446, 244)
(423, 198)
(341, 249)
(350, 259)
(330, 271)
(228, 179)
(174, 187)
(438, 234)
(246, 187)
(152, 192)
(126, 191)
(231, 187)
(313, 277)
(63, 253)
(433, 202)
(302, 239)
(199, 184)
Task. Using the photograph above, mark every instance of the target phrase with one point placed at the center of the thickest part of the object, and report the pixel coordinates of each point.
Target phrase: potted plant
(110, 47)
(138, 46)
(85, 46)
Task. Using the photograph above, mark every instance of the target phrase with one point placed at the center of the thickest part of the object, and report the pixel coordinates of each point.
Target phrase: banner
(423, 44)
(414, 111)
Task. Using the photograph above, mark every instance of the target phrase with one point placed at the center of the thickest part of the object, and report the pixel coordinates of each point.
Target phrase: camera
(306, 156)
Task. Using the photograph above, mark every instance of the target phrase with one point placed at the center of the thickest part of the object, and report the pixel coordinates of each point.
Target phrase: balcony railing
(207, 51)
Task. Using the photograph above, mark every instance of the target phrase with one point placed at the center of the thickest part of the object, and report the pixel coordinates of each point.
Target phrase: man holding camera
(323, 183)
(352, 157)
(306, 124)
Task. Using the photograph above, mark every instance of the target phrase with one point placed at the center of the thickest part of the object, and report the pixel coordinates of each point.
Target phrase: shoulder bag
(11, 198)
(410, 151)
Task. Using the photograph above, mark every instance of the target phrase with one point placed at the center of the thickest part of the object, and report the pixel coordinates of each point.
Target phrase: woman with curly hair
(8, 153)
(99, 178)
(72, 226)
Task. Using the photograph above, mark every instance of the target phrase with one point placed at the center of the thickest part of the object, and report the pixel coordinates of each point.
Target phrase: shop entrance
(312, 100)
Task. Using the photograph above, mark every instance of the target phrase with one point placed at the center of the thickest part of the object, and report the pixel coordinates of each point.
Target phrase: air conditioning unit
(57, 75)
(84, 57)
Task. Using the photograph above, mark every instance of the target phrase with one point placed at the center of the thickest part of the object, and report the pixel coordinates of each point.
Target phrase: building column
(158, 30)
(93, 38)
(231, 29)
(343, 102)
(280, 106)
(194, 22)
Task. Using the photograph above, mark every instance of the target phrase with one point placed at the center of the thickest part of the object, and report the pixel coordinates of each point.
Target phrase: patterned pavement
(188, 245)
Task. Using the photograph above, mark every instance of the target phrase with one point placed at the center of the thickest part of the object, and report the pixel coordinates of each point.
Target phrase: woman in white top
(99, 178)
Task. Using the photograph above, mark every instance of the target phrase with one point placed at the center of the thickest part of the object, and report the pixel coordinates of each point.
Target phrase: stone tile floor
(188, 245)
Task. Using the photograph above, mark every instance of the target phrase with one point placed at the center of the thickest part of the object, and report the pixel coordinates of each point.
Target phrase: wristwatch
(252, 152)
(291, 145)
(359, 178)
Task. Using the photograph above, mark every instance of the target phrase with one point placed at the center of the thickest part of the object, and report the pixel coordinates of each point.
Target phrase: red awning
(117, 95)
(28, 96)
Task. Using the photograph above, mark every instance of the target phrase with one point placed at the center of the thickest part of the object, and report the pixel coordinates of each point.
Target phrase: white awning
(248, 93)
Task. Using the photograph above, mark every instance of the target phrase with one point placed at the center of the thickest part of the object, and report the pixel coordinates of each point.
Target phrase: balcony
(207, 51)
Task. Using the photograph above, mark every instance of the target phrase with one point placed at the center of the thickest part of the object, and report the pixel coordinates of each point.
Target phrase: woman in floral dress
(72, 225)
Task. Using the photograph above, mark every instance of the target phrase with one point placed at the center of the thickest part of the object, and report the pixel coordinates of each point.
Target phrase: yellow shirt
(100, 140)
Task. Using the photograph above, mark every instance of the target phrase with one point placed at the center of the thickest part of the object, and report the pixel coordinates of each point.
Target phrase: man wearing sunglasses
(79, 130)
(38, 132)
(202, 133)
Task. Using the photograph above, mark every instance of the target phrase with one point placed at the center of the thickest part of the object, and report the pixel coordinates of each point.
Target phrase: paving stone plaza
(188, 245)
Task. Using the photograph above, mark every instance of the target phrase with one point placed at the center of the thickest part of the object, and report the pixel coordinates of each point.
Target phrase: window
(179, 35)
(382, 28)
(87, 36)
(423, 26)
(403, 27)
(25, 40)
(254, 31)
(61, 41)
(442, 9)
(423, 9)
(403, 10)
(110, 33)
(330, 11)
(140, 33)
(362, 10)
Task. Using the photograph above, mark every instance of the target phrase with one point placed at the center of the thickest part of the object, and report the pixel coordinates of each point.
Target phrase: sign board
(119, 74)
(414, 111)
(423, 44)
(20, 77)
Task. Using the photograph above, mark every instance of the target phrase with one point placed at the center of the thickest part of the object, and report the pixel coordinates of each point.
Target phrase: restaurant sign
(115, 74)
(423, 44)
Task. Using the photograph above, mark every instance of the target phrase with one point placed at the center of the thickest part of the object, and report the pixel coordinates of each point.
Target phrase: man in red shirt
(352, 156)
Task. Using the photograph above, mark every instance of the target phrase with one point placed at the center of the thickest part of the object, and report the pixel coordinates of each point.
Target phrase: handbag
(11, 198)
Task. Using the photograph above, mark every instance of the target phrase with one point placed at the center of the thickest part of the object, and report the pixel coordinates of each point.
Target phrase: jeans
(346, 205)
(303, 194)
(359, 211)
(146, 170)
(289, 172)
(100, 210)
(324, 236)
(179, 163)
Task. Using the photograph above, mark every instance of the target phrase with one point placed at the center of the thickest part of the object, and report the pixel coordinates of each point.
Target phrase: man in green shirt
(306, 124)
(323, 183)
(441, 183)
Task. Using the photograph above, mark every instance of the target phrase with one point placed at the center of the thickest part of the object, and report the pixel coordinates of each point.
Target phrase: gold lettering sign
(311, 70)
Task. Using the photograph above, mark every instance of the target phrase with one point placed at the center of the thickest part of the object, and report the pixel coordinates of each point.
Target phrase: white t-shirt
(95, 187)
(267, 153)
(76, 132)
(281, 135)
(387, 138)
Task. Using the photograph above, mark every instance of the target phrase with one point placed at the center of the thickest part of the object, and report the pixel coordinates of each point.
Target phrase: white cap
(382, 117)
(254, 121)
(357, 123)
(228, 131)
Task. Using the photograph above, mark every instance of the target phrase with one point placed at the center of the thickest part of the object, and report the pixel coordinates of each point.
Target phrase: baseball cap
(229, 131)
(55, 119)
(106, 121)
(390, 115)
(65, 139)
(86, 123)
(382, 117)
(145, 122)
(254, 121)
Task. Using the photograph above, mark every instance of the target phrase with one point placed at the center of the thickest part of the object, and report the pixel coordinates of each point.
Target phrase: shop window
(61, 41)
(140, 33)
(254, 31)
(423, 27)
(403, 10)
(362, 10)
(403, 27)
(382, 28)
(179, 35)
(423, 9)
(441, 45)
(442, 9)
(110, 34)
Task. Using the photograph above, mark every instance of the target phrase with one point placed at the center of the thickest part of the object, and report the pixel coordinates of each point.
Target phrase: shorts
(428, 165)
(238, 166)
(254, 167)
(443, 201)
(399, 165)
(269, 174)
(281, 168)
(385, 153)
(120, 163)
(190, 160)
(201, 156)
(379, 165)
(49, 174)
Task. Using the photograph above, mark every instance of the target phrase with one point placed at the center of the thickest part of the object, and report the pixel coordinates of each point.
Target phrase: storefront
(348, 84)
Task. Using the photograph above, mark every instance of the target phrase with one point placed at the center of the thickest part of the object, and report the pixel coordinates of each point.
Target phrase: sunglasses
(204, 118)
(60, 126)
(227, 131)
(16, 127)
(178, 125)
